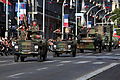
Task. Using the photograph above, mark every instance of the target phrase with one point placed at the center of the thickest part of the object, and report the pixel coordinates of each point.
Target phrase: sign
(66, 23)
(89, 24)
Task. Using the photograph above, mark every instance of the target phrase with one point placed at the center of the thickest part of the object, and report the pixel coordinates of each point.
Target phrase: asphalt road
(82, 67)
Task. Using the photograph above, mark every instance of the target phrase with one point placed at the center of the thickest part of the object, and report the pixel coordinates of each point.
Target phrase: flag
(66, 24)
(4, 1)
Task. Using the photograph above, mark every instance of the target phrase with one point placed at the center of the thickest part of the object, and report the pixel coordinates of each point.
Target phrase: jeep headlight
(69, 46)
(54, 46)
(36, 46)
(16, 46)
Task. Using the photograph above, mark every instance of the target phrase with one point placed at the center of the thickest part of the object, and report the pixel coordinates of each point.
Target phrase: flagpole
(63, 19)
(76, 19)
(43, 19)
(6, 33)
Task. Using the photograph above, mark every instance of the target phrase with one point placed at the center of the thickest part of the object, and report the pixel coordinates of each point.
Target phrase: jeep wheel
(73, 54)
(81, 51)
(39, 58)
(16, 58)
(56, 54)
(22, 58)
(44, 57)
(108, 48)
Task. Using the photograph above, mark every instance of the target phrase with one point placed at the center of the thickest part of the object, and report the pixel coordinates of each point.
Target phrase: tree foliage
(116, 11)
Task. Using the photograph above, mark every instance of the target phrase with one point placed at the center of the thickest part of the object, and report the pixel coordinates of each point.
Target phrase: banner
(66, 23)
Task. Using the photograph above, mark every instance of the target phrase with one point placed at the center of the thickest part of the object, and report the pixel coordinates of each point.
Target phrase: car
(89, 41)
(35, 47)
(63, 46)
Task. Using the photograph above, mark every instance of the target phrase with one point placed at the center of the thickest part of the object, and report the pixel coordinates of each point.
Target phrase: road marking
(98, 62)
(108, 53)
(117, 54)
(42, 68)
(48, 61)
(8, 64)
(65, 61)
(89, 75)
(16, 75)
(60, 65)
(88, 53)
(5, 61)
(100, 57)
(82, 62)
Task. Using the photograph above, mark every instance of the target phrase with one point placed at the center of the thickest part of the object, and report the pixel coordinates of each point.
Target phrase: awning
(4, 1)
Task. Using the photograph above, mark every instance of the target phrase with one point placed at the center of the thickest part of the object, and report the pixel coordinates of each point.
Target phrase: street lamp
(76, 19)
(88, 13)
(6, 32)
(44, 19)
(104, 17)
(110, 17)
(96, 15)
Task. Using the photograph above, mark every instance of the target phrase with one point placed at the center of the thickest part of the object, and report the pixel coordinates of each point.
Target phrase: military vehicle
(35, 47)
(89, 40)
(64, 46)
(107, 38)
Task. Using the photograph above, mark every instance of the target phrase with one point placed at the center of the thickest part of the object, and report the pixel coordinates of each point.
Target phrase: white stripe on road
(65, 61)
(60, 65)
(8, 64)
(98, 62)
(82, 62)
(89, 75)
(16, 75)
(99, 57)
(117, 54)
(108, 53)
(42, 69)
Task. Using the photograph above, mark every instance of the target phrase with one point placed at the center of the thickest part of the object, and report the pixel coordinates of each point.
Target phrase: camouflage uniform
(34, 28)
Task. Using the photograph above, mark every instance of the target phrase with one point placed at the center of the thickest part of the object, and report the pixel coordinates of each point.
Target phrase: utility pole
(44, 19)
(6, 33)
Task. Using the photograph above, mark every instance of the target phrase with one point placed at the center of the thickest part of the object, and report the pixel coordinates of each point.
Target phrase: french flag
(4, 1)
(66, 24)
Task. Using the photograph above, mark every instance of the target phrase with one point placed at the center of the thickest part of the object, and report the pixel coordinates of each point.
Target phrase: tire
(108, 48)
(73, 54)
(45, 49)
(44, 57)
(39, 58)
(22, 59)
(81, 51)
(16, 58)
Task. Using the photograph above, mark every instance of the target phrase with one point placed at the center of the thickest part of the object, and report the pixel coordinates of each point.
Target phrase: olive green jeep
(35, 47)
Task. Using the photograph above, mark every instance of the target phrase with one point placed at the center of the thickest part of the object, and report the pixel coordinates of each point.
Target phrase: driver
(34, 27)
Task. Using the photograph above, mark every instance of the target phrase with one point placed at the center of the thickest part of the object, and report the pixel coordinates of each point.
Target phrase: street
(82, 67)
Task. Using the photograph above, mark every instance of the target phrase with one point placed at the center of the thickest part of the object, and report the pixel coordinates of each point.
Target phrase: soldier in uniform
(23, 34)
(34, 27)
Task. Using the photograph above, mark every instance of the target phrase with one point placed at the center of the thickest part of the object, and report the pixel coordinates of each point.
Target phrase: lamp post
(63, 9)
(76, 19)
(6, 32)
(44, 19)
(96, 15)
(104, 17)
(88, 13)
(110, 17)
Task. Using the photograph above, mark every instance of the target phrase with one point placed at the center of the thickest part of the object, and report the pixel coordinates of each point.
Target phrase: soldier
(34, 27)
(23, 34)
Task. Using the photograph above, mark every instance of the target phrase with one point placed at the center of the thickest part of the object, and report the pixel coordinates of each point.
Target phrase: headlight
(69, 46)
(36, 46)
(16, 47)
(54, 46)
